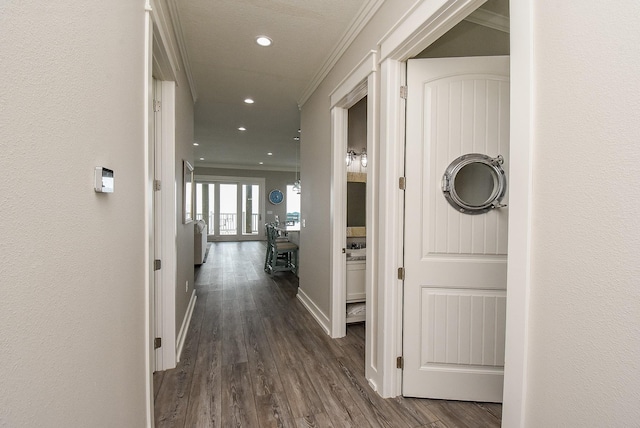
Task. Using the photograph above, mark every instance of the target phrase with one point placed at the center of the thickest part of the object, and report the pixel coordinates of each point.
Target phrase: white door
(157, 222)
(455, 263)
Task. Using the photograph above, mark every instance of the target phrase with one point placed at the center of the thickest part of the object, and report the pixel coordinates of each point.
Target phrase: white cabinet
(356, 292)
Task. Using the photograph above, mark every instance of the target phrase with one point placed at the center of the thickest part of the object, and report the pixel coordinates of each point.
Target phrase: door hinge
(403, 92)
(402, 183)
(156, 185)
(157, 342)
(401, 273)
(157, 105)
(400, 363)
(157, 264)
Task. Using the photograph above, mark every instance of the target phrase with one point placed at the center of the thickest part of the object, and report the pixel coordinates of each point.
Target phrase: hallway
(254, 357)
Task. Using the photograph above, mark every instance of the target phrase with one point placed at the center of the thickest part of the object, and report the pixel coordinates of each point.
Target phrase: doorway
(360, 84)
(232, 207)
(417, 30)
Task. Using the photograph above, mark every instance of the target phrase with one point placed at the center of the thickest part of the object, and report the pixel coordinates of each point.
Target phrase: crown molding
(245, 167)
(174, 14)
(362, 18)
(167, 60)
(489, 19)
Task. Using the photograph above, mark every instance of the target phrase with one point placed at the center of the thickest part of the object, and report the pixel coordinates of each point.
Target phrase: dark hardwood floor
(254, 357)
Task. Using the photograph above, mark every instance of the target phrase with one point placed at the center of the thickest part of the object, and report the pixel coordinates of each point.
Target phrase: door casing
(421, 26)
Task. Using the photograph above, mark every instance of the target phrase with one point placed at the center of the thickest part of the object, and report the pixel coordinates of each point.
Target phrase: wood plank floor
(254, 357)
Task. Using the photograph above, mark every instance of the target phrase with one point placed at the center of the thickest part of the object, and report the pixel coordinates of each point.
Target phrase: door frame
(160, 61)
(168, 220)
(149, 248)
(261, 181)
(422, 25)
(361, 82)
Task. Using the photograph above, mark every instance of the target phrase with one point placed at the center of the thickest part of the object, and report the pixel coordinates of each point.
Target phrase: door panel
(228, 214)
(455, 263)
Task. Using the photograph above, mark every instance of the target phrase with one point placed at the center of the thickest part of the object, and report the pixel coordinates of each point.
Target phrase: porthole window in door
(475, 183)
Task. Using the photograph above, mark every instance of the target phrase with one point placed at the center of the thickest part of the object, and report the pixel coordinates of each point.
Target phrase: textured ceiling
(228, 66)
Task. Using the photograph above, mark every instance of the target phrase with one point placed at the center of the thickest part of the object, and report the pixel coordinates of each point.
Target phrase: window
(293, 205)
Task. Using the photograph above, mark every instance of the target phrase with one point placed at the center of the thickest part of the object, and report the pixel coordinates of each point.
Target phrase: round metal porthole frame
(499, 186)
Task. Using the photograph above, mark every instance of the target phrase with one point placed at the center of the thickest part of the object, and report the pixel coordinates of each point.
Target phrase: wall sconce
(363, 158)
(351, 155)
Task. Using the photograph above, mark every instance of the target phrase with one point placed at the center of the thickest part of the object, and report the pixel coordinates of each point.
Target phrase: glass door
(228, 202)
(250, 209)
(233, 208)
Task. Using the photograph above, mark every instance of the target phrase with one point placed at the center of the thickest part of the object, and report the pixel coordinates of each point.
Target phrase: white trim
(520, 207)
(354, 87)
(422, 25)
(372, 213)
(184, 329)
(157, 221)
(338, 222)
(246, 167)
(182, 47)
(315, 311)
(228, 179)
(489, 19)
(164, 30)
(353, 30)
(149, 318)
(168, 225)
(390, 234)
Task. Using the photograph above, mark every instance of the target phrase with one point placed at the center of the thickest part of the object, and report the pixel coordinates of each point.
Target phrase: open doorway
(231, 207)
(354, 155)
(417, 31)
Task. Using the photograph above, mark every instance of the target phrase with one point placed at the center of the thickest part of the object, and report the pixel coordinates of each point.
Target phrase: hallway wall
(585, 296)
(72, 271)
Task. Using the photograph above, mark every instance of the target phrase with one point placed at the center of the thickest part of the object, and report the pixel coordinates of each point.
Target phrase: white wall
(584, 365)
(72, 264)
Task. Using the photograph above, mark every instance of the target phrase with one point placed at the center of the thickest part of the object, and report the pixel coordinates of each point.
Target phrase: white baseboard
(184, 329)
(315, 311)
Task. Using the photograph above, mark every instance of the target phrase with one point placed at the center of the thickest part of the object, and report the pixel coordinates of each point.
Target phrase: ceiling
(227, 66)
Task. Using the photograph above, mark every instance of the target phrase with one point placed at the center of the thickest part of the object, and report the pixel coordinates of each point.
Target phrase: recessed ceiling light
(298, 131)
(269, 154)
(248, 101)
(196, 144)
(242, 128)
(263, 41)
(296, 138)
(261, 163)
(201, 158)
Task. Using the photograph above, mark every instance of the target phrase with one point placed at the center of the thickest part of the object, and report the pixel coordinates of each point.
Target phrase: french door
(232, 207)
